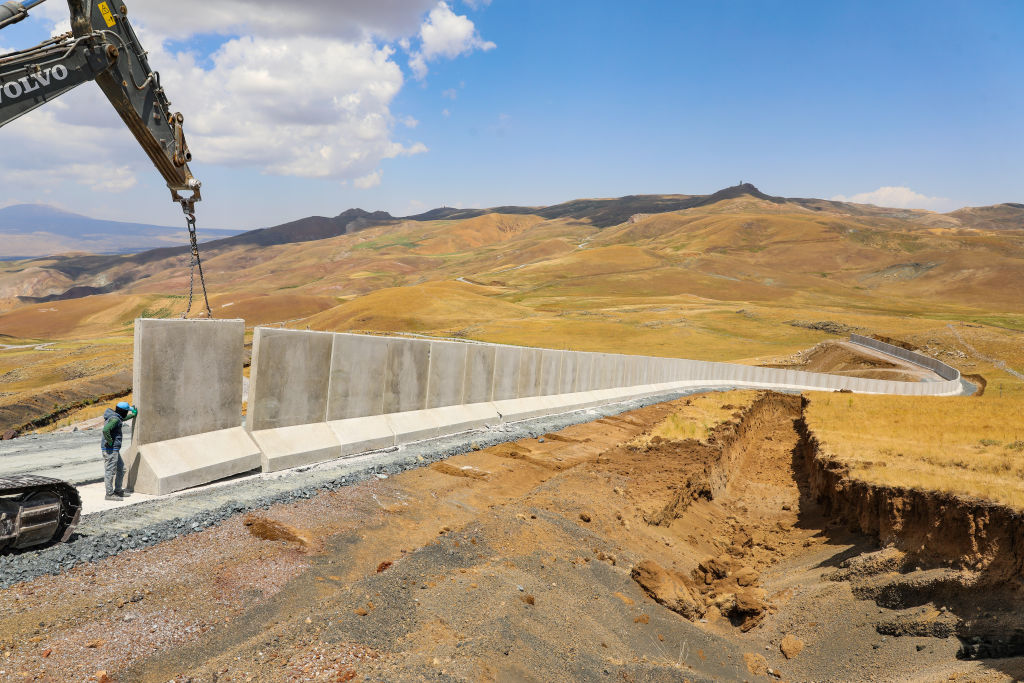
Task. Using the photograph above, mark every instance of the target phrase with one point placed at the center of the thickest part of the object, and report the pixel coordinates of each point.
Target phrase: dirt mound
(827, 326)
(669, 588)
(453, 471)
(272, 530)
(841, 358)
(895, 342)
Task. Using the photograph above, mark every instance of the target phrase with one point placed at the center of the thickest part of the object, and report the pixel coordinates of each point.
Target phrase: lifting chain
(190, 217)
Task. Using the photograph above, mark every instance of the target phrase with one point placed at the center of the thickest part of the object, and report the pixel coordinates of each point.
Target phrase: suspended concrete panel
(187, 384)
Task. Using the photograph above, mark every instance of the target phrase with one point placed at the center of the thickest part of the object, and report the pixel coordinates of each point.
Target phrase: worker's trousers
(113, 470)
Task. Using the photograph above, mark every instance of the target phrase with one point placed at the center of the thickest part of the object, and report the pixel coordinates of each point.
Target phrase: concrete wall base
(516, 409)
(287, 447)
(455, 419)
(362, 434)
(164, 467)
(413, 425)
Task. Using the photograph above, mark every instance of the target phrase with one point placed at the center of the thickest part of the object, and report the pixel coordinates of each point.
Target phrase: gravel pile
(93, 541)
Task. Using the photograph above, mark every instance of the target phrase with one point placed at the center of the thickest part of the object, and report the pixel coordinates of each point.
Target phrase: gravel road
(74, 457)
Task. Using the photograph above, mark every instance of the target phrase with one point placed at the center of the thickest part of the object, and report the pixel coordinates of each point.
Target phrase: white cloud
(96, 177)
(345, 19)
(49, 150)
(445, 34)
(368, 181)
(478, 4)
(450, 93)
(297, 90)
(325, 114)
(445, 113)
(307, 91)
(896, 197)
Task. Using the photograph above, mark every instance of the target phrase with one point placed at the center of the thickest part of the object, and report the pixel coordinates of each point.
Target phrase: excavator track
(36, 511)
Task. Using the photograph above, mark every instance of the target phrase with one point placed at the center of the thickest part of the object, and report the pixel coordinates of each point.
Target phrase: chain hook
(188, 206)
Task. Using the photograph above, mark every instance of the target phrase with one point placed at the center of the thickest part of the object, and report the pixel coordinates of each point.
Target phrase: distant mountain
(604, 213)
(97, 273)
(39, 230)
(310, 229)
(998, 217)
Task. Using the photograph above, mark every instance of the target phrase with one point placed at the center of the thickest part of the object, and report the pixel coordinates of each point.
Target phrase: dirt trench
(573, 556)
(958, 562)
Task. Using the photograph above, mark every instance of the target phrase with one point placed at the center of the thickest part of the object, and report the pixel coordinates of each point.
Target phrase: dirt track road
(539, 559)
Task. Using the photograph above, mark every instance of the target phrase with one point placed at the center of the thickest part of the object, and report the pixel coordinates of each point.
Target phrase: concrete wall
(316, 396)
(356, 389)
(187, 383)
(446, 381)
(187, 377)
(944, 371)
(405, 376)
(289, 378)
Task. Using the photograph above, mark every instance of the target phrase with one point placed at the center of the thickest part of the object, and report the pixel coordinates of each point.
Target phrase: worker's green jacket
(112, 428)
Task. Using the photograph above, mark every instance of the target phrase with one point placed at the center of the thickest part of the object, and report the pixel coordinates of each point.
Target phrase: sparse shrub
(1015, 446)
(1002, 465)
(988, 442)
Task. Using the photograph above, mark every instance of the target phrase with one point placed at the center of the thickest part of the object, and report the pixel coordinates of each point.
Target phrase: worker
(113, 465)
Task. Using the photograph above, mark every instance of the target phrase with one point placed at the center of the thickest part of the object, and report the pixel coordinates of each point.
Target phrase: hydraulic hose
(13, 12)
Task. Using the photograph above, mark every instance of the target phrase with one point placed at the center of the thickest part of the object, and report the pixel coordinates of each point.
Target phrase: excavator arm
(101, 47)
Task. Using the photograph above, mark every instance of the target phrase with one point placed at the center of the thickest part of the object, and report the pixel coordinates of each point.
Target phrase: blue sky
(560, 100)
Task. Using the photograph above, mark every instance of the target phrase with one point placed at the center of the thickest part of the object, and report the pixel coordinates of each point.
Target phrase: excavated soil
(844, 358)
(576, 556)
(953, 566)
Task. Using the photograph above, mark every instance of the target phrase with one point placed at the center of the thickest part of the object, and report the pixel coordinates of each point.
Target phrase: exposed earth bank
(600, 552)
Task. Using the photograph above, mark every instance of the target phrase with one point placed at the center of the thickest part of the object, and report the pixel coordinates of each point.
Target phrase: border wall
(944, 371)
(318, 396)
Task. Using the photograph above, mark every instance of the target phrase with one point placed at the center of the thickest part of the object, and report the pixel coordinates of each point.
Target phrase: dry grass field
(699, 417)
(966, 446)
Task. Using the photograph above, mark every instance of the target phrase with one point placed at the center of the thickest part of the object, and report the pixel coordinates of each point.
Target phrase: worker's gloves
(132, 413)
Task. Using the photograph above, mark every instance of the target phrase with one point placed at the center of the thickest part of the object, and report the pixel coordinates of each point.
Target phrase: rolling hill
(77, 275)
(738, 275)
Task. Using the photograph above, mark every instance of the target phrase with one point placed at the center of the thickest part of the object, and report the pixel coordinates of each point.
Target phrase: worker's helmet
(124, 406)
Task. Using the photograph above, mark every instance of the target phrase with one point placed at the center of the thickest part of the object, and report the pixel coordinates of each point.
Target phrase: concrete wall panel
(289, 378)
(358, 365)
(550, 372)
(507, 363)
(188, 387)
(479, 383)
(405, 376)
(584, 372)
(529, 373)
(447, 380)
(187, 377)
(570, 375)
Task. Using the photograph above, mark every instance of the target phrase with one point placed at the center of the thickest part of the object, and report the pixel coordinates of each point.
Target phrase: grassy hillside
(964, 446)
(743, 278)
